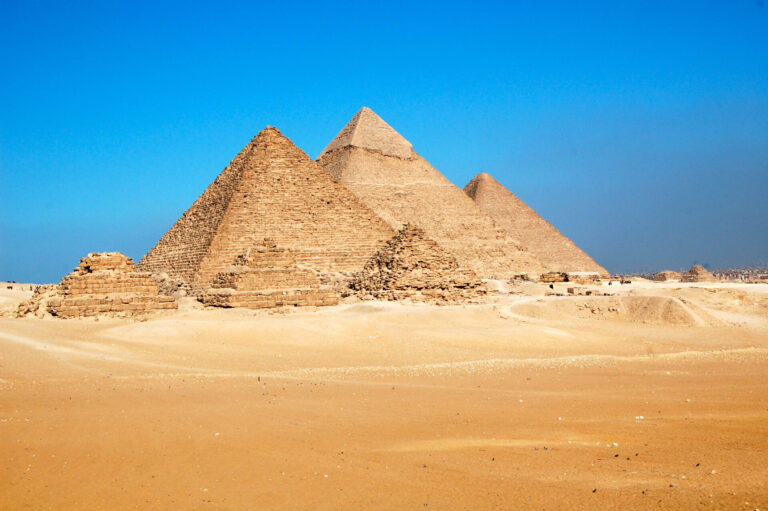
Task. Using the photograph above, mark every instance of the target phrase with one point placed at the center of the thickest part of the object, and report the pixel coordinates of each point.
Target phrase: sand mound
(655, 310)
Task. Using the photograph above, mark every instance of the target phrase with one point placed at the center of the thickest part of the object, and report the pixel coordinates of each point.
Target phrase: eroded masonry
(265, 277)
(413, 266)
(103, 283)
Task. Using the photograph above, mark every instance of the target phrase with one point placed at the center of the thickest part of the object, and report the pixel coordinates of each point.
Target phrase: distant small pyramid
(550, 246)
(369, 131)
(698, 274)
(380, 167)
(272, 189)
(413, 266)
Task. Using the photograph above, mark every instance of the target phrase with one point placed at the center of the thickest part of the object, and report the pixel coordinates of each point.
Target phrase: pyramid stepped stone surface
(698, 274)
(266, 276)
(550, 246)
(379, 166)
(103, 284)
(271, 189)
(411, 265)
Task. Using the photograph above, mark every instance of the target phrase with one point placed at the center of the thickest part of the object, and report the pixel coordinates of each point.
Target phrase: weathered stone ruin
(103, 283)
(555, 251)
(380, 167)
(264, 277)
(272, 189)
(553, 276)
(667, 275)
(698, 274)
(413, 266)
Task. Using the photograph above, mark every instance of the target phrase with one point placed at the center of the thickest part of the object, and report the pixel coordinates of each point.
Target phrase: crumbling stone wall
(103, 283)
(271, 189)
(266, 276)
(411, 265)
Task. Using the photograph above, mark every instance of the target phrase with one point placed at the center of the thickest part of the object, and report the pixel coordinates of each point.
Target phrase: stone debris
(553, 276)
(698, 274)
(105, 283)
(264, 277)
(411, 265)
(555, 251)
(667, 275)
(272, 189)
(380, 167)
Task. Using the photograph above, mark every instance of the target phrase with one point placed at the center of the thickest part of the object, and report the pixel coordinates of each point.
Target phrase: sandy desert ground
(654, 399)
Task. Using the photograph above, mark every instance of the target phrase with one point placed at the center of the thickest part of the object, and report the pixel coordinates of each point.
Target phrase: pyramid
(550, 246)
(667, 275)
(103, 283)
(413, 266)
(266, 276)
(271, 189)
(379, 166)
(698, 274)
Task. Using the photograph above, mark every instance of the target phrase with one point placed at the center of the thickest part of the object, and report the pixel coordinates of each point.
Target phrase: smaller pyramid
(103, 283)
(369, 131)
(545, 242)
(667, 275)
(264, 277)
(411, 265)
(698, 274)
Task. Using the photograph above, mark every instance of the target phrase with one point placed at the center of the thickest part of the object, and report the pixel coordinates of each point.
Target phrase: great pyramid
(379, 166)
(272, 189)
(550, 246)
(413, 266)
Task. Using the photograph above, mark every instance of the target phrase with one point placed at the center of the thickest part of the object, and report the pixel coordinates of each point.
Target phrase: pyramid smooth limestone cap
(369, 131)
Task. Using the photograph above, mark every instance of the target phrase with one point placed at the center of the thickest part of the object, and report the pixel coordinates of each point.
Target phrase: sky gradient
(639, 129)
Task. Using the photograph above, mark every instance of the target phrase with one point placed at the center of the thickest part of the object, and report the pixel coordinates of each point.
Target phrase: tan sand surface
(526, 402)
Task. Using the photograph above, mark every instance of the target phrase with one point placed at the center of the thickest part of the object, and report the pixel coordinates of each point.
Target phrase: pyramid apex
(369, 131)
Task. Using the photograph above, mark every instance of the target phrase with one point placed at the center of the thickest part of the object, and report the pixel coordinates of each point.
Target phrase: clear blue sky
(640, 129)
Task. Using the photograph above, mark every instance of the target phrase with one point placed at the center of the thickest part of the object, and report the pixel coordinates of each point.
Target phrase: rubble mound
(411, 265)
(698, 274)
(264, 277)
(666, 275)
(105, 283)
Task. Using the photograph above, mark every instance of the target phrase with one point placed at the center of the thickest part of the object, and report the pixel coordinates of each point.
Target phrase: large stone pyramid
(272, 189)
(550, 246)
(379, 166)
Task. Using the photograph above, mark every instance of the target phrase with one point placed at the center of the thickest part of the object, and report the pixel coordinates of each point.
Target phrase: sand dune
(656, 400)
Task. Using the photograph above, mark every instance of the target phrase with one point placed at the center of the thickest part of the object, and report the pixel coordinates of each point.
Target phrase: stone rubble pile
(413, 266)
